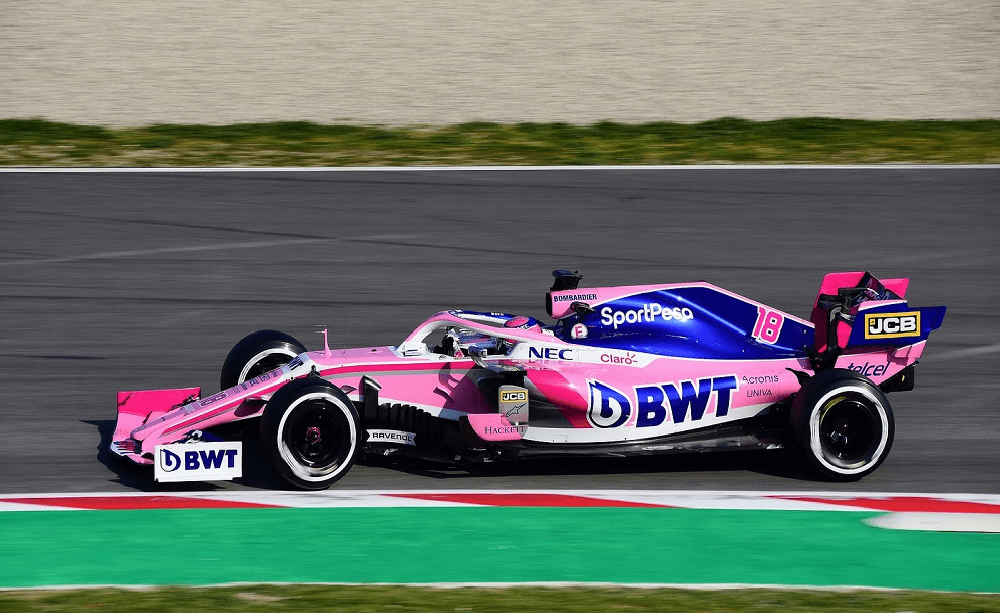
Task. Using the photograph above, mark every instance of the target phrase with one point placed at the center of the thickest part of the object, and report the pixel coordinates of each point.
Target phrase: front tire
(256, 354)
(311, 433)
(843, 423)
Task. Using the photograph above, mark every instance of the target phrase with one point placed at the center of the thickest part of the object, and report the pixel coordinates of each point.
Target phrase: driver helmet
(518, 322)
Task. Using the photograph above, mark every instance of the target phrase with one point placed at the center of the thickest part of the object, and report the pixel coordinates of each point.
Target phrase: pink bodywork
(836, 280)
(574, 385)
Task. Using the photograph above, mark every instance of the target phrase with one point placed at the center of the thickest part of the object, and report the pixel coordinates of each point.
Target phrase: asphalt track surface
(115, 281)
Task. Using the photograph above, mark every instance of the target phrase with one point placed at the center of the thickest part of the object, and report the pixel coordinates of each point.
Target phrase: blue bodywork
(701, 322)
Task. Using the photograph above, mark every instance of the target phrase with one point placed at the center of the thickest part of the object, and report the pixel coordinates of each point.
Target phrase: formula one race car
(634, 370)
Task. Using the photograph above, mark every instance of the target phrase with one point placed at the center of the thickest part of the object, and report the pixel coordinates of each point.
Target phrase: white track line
(498, 585)
(937, 522)
(257, 169)
(975, 519)
(691, 499)
(971, 351)
(109, 255)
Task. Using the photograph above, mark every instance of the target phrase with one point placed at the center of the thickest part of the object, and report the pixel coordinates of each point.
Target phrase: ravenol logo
(892, 325)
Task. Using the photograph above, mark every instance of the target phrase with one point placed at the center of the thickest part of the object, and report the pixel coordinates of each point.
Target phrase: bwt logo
(655, 404)
(892, 325)
(195, 460)
(549, 353)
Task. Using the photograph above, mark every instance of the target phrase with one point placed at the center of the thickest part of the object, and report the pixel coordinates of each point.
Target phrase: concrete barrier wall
(132, 62)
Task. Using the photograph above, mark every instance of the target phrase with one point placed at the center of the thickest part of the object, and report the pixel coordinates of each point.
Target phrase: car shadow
(129, 474)
(782, 464)
(258, 473)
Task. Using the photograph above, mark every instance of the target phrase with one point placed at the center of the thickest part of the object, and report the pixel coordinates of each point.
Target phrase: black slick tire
(843, 424)
(258, 353)
(311, 433)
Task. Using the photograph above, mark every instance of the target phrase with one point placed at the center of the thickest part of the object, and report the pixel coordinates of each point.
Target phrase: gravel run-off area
(396, 62)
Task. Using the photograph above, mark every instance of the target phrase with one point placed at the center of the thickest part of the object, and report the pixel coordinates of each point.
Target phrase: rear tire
(256, 354)
(311, 433)
(843, 423)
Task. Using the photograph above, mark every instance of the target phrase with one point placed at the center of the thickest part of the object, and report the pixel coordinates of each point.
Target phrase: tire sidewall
(807, 412)
(253, 348)
(279, 415)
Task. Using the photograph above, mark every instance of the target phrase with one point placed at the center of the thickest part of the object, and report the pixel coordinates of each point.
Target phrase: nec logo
(549, 353)
(892, 325)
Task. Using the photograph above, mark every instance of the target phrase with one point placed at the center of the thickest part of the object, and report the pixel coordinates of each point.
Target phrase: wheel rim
(849, 430)
(316, 437)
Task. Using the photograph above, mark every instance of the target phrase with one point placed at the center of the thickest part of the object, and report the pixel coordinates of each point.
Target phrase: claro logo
(892, 325)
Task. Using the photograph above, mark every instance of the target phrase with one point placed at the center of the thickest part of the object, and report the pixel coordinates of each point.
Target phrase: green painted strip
(455, 544)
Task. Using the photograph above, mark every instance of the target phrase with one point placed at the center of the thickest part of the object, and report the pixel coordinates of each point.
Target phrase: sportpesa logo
(892, 325)
(649, 312)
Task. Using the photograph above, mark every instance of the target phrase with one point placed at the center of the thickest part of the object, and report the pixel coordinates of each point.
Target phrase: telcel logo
(649, 312)
(892, 325)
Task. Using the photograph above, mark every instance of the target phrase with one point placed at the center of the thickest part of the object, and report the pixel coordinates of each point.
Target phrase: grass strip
(348, 599)
(485, 545)
(809, 140)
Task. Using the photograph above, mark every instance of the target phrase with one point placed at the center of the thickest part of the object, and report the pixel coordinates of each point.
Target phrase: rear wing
(856, 309)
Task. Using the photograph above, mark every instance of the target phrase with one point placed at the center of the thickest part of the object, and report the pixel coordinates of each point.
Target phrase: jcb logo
(514, 396)
(892, 325)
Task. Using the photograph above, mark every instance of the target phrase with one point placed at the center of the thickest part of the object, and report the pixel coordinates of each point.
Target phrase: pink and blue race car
(633, 370)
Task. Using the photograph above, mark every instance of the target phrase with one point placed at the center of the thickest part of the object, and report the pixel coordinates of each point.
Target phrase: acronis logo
(676, 401)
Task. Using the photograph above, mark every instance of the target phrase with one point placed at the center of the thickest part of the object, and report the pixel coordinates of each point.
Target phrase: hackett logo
(892, 325)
